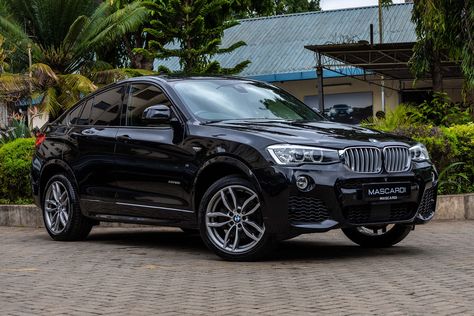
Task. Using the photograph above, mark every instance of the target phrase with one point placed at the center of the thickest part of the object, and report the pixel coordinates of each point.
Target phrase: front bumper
(336, 199)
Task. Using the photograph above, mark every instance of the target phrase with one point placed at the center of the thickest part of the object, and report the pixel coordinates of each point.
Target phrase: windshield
(219, 100)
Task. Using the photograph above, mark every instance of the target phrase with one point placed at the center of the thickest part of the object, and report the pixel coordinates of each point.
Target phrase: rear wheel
(377, 236)
(231, 221)
(61, 212)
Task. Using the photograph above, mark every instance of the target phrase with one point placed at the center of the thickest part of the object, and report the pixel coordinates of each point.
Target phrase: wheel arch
(52, 167)
(216, 168)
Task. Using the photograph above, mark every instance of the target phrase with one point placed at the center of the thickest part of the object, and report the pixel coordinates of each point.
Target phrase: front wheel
(231, 221)
(379, 236)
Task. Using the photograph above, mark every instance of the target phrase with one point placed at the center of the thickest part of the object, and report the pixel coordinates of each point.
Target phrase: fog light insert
(302, 183)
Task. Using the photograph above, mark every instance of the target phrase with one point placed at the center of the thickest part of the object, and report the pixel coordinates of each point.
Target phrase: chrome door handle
(124, 138)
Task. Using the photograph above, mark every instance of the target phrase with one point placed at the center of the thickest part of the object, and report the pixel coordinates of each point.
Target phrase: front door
(150, 161)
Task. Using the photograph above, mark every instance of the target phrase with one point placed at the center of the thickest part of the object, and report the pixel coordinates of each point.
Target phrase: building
(282, 51)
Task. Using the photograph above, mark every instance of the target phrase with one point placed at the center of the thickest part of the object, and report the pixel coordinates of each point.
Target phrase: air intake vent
(307, 210)
(427, 206)
(363, 159)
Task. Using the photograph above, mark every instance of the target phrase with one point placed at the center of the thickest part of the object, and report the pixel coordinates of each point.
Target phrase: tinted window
(74, 115)
(84, 118)
(213, 100)
(140, 97)
(103, 109)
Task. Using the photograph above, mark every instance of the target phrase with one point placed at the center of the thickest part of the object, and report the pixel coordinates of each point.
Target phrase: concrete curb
(455, 206)
(458, 207)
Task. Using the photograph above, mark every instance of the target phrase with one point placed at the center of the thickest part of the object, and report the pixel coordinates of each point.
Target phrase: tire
(236, 210)
(62, 215)
(362, 237)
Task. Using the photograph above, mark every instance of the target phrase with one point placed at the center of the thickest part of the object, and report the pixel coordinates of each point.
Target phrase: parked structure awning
(390, 59)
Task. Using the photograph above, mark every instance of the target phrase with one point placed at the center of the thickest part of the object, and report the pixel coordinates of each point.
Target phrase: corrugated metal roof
(275, 45)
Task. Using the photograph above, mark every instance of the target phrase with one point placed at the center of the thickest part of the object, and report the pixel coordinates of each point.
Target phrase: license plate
(386, 191)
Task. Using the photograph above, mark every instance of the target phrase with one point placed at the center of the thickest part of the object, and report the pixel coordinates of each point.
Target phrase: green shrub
(451, 150)
(464, 141)
(15, 166)
(440, 111)
(401, 116)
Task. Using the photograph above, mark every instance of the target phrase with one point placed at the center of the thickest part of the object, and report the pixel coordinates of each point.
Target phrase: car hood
(322, 133)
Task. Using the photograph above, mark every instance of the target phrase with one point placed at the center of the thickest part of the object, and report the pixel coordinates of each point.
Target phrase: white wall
(302, 88)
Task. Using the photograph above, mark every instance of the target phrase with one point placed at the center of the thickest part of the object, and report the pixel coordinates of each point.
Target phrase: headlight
(295, 154)
(419, 153)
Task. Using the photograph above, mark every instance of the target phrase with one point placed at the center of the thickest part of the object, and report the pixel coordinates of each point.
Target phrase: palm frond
(74, 32)
(72, 88)
(13, 83)
(43, 75)
(106, 26)
(49, 103)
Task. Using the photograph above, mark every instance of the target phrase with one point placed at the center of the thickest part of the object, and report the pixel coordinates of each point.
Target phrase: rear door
(151, 164)
(93, 134)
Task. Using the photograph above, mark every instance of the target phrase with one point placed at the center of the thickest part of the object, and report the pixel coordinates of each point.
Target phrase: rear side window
(75, 115)
(103, 109)
(140, 97)
(86, 112)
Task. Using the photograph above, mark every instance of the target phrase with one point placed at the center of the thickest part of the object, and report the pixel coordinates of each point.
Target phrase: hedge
(15, 166)
(448, 146)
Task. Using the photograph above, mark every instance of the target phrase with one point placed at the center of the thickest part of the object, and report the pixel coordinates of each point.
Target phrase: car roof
(171, 78)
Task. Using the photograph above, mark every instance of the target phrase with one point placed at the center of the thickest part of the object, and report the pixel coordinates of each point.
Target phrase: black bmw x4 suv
(242, 161)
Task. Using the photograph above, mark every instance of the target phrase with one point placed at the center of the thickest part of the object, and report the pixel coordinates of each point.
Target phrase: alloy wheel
(57, 207)
(233, 219)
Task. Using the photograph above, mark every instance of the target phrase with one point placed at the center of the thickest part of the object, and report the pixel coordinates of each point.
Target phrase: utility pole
(30, 75)
(382, 89)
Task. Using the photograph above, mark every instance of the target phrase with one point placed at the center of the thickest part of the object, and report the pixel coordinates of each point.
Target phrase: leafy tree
(63, 37)
(192, 30)
(295, 6)
(122, 53)
(252, 8)
(443, 26)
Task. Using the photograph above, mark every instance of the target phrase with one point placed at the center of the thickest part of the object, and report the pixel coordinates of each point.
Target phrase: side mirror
(157, 114)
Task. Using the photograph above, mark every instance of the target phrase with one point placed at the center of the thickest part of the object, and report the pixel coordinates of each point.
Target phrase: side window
(103, 109)
(140, 97)
(84, 119)
(106, 107)
(74, 116)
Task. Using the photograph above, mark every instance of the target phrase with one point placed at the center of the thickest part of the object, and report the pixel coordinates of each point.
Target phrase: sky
(340, 4)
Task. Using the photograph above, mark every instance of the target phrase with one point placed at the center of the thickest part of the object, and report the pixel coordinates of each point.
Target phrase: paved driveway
(166, 272)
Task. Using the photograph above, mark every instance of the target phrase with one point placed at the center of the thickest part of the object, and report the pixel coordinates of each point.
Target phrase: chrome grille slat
(371, 159)
(397, 158)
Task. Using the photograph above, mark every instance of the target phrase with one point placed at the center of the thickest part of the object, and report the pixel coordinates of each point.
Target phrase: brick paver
(165, 272)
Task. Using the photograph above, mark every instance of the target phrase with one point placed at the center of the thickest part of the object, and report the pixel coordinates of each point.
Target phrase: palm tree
(63, 37)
